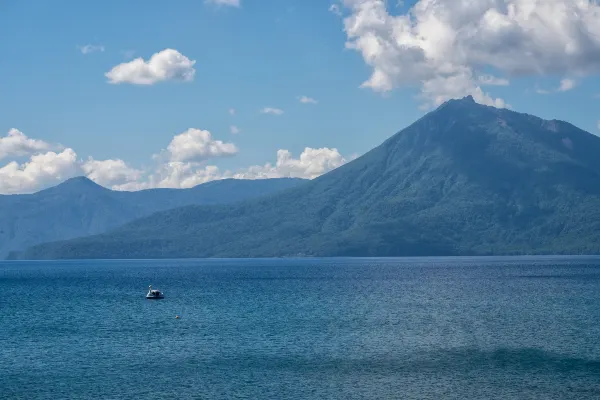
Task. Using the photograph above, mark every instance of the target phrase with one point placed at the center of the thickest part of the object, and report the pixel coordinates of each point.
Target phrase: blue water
(302, 329)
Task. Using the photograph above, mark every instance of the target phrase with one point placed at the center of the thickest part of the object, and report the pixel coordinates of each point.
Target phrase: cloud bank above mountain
(450, 49)
(183, 163)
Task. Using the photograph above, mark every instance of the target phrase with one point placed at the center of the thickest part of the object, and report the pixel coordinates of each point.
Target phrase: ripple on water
(302, 329)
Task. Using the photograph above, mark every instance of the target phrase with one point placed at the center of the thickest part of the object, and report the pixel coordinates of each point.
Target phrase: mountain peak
(79, 181)
(468, 179)
(76, 184)
(467, 101)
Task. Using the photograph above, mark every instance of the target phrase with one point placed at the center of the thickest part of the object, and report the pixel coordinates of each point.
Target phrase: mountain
(80, 207)
(465, 179)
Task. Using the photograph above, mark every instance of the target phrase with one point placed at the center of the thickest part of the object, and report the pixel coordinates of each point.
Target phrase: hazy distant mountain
(464, 179)
(80, 207)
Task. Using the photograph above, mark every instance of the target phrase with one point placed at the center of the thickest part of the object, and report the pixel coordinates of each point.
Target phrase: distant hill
(80, 207)
(465, 179)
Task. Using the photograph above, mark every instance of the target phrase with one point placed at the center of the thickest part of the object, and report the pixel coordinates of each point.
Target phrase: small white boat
(154, 293)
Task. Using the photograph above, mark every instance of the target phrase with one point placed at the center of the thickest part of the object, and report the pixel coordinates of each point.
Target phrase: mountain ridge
(465, 179)
(80, 207)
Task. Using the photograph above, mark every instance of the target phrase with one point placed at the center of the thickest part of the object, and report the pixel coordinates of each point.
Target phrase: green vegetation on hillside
(79, 207)
(466, 179)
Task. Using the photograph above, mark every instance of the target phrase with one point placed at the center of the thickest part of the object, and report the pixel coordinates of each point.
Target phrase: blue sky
(259, 54)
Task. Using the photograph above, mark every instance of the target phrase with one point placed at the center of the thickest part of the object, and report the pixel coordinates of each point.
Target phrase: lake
(418, 328)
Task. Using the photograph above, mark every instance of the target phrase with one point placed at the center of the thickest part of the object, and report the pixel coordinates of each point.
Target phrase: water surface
(444, 328)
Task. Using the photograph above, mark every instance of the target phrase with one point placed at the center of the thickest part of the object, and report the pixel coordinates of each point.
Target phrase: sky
(143, 94)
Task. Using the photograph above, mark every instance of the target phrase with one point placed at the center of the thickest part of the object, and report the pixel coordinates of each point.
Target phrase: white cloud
(234, 129)
(165, 65)
(15, 143)
(272, 111)
(231, 3)
(46, 168)
(566, 85)
(90, 48)
(490, 80)
(442, 46)
(184, 166)
(439, 89)
(109, 173)
(334, 8)
(232, 111)
(311, 164)
(181, 168)
(198, 145)
(40, 171)
(176, 175)
(307, 100)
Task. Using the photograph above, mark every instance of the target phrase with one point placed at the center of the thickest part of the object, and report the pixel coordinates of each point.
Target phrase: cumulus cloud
(231, 3)
(490, 80)
(307, 100)
(182, 165)
(40, 171)
(198, 145)
(234, 129)
(110, 173)
(16, 143)
(334, 8)
(439, 89)
(272, 111)
(46, 168)
(165, 65)
(90, 48)
(566, 85)
(176, 175)
(311, 164)
(443, 46)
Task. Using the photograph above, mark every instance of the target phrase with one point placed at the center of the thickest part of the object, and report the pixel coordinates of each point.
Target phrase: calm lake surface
(446, 328)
